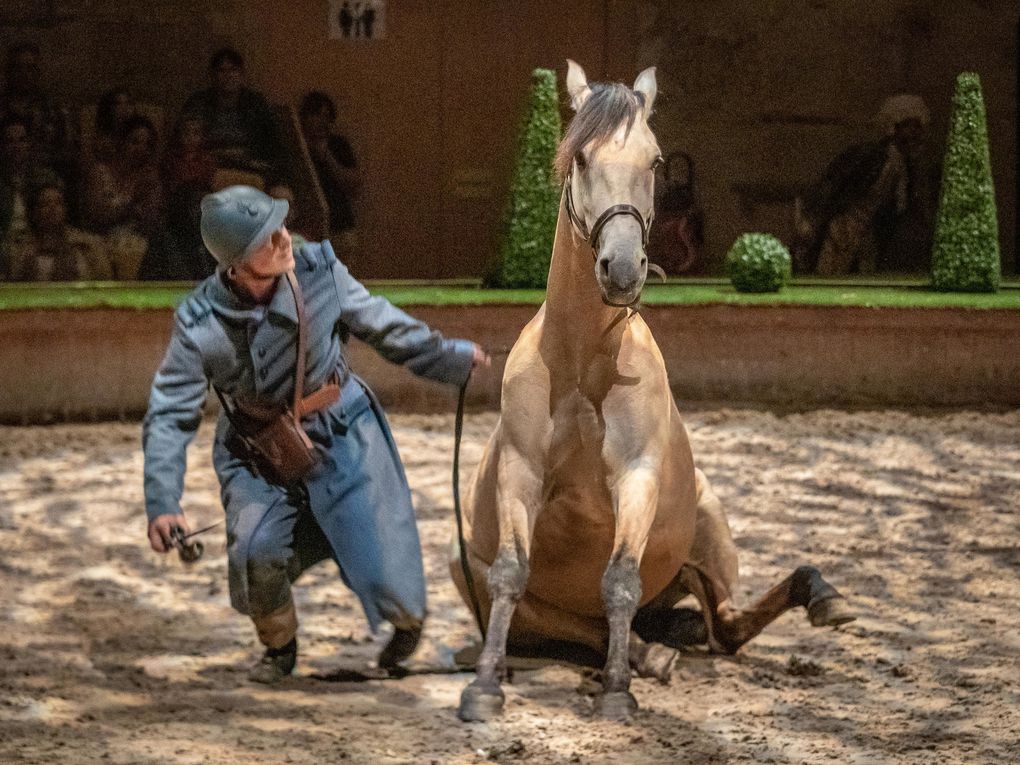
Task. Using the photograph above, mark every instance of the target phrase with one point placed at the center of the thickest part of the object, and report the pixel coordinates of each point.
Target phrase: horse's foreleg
(621, 584)
(517, 499)
(508, 575)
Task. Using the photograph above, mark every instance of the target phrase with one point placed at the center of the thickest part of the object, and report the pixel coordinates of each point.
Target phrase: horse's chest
(574, 531)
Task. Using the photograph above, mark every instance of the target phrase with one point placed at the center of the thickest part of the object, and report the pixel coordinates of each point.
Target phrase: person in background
(907, 230)
(123, 197)
(50, 250)
(49, 124)
(113, 111)
(176, 251)
(188, 162)
(238, 122)
(848, 222)
(335, 166)
(238, 331)
(20, 170)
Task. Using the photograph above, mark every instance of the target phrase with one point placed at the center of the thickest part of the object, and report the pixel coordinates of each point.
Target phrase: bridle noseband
(592, 237)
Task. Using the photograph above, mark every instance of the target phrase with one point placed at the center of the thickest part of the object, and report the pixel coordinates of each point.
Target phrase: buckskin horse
(587, 517)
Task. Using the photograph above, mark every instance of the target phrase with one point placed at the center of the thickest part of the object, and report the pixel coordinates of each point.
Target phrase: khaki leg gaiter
(276, 629)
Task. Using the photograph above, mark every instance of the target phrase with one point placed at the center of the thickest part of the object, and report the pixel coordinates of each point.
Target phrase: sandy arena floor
(111, 653)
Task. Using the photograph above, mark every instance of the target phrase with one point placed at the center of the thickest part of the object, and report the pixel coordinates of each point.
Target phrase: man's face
(273, 258)
(909, 134)
(123, 108)
(228, 77)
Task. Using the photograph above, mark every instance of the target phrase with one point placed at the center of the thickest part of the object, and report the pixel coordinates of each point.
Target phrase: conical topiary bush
(965, 255)
(530, 224)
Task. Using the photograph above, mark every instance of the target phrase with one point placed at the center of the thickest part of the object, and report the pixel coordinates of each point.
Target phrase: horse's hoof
(618, 705)
(830, 612)
(657, 662)
(479, 704)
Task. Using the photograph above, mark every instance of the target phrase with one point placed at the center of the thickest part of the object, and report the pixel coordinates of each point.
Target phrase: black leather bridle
(592, 237)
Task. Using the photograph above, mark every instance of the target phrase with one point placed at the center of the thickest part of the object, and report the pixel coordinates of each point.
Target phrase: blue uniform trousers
(355, 508)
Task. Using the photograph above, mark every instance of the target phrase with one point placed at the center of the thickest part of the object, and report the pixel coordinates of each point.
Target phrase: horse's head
(607, 160)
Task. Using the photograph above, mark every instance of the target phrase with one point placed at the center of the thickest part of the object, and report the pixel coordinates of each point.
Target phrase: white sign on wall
(357, 19)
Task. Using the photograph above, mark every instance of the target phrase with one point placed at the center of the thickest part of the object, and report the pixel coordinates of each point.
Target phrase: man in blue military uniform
(238, 332)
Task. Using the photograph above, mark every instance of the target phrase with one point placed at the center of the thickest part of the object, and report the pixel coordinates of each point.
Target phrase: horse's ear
(645, 84)
(577, 85)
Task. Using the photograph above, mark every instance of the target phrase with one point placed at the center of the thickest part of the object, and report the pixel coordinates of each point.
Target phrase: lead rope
(465, 567)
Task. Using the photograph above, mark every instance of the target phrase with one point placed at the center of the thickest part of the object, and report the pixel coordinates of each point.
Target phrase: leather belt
(323, 398)
(259, 411)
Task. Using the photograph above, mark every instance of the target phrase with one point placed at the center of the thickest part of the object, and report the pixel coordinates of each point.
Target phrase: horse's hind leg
(651, 659)
(730, 627)
(710, 576)
(673, 627)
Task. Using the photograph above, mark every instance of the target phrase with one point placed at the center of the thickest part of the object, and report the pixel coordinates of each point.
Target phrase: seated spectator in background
(49, 124)
(188, 163)
(20, 169)
(238, 121)
(176, 251)
(50, 250)
(874, 207)
(123, 197)
(335, 165)
(114, 109)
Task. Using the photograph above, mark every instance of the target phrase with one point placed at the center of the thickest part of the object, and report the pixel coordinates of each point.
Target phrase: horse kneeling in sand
(587, 518)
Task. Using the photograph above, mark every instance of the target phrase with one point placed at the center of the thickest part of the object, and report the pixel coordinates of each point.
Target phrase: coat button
(262, 353)
(263, 373)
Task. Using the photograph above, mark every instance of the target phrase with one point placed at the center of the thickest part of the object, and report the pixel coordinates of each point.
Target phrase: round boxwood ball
(758, 263)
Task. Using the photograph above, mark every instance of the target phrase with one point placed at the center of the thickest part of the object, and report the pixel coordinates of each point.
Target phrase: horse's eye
(657, 163)
(580, 160)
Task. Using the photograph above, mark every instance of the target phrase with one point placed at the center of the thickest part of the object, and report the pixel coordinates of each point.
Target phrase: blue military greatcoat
(358, 493)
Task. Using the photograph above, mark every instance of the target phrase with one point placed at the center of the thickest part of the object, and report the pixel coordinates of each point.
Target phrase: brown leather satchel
(272, 435)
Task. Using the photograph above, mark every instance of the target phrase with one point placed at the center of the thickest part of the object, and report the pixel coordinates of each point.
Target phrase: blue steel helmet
(239, 219)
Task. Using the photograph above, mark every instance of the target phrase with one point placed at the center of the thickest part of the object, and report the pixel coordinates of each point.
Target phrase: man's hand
(481, 359)
(159, 531)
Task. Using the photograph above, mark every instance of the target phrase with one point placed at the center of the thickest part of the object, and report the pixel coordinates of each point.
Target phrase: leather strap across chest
(302, 342)
(327, 395)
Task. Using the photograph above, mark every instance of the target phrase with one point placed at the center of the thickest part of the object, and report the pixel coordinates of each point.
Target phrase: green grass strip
(693, 292)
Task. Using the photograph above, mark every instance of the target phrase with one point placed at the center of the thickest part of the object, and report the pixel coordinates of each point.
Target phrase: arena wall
(99, 364)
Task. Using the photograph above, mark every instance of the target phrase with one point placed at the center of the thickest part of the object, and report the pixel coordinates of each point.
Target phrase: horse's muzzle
(621, 279)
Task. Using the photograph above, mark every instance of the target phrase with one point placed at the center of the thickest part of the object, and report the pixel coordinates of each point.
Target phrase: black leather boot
(275, 664)
(401, 645)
